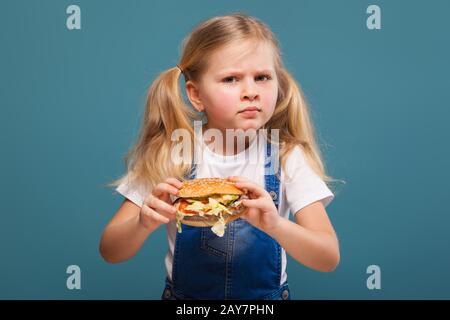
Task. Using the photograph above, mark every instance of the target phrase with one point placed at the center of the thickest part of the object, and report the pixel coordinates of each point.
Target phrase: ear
(194, 96)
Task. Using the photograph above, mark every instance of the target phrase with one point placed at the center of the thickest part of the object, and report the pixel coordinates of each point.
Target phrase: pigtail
(292, 118)
(149, 161)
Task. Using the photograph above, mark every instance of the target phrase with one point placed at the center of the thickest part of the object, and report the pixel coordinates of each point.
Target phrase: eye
(229, 79)
(262, 76)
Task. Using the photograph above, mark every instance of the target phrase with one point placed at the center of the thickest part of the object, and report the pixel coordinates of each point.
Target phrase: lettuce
(195, 206)
(219, 227)
(180, 216)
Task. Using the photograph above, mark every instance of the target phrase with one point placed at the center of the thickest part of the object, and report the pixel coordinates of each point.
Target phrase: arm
(124, 235)
(312, 240)
(131, 225)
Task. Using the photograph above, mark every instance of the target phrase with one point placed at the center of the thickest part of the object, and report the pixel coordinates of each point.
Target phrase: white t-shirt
(303, 188)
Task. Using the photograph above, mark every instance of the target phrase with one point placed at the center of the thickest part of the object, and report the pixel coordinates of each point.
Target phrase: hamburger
(209, 202)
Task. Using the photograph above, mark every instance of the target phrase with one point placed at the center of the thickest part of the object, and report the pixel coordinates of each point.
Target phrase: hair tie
(180, 69)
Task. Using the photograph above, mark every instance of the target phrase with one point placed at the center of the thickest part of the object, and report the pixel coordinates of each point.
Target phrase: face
(239, 76)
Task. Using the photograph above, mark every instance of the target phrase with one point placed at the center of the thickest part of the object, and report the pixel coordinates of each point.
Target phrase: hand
(262, 212)
(157, 208)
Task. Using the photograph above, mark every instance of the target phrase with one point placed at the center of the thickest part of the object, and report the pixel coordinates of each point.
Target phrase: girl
(235, 78)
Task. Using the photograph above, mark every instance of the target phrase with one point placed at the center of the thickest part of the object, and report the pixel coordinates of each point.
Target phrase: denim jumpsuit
(243, 264)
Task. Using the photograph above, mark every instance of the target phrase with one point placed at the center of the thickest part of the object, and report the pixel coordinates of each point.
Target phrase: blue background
(72, 102)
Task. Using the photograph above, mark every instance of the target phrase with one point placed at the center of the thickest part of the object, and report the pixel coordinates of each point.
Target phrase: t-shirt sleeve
(135, 194)
(304, 186)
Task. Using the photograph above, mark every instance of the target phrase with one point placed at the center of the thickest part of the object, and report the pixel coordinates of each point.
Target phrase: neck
(224, 147)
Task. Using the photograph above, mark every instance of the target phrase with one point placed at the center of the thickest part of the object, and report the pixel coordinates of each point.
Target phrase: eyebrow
(239, 71)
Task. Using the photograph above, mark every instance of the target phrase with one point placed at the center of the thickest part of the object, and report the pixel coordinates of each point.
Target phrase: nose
(249, 90)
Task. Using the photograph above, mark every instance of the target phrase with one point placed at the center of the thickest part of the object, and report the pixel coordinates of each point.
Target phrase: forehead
(246, 55)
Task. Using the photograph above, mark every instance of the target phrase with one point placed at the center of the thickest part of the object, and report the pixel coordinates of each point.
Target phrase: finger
(155, 216)
(161, 206)
(174, 182)
(159, 218)
(250, 186)
(162, 188)
(237, 179)
(256, 203)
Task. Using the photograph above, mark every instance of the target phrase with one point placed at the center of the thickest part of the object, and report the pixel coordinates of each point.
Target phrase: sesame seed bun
(207, 186)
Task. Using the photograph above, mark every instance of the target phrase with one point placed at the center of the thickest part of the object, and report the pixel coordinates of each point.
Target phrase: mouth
(250, 109)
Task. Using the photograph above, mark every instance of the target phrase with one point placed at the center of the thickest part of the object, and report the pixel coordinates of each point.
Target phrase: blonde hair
(149, 162)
